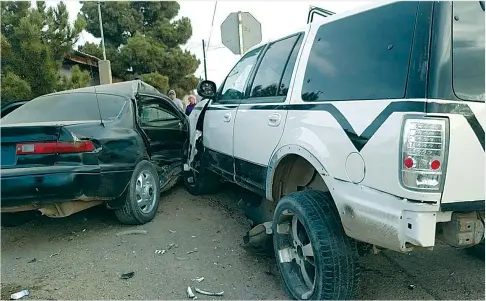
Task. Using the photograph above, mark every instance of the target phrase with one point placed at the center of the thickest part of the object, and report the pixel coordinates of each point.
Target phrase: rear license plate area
(9, 155)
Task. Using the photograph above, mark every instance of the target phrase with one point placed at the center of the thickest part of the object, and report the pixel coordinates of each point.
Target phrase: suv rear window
(468, 49)
(67, 107)
(364, 56)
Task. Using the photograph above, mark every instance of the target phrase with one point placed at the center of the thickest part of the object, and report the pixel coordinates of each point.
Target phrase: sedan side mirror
(206, 89)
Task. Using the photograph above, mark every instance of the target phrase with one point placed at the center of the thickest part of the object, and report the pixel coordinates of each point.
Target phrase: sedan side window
(153, 115)
(234, 86)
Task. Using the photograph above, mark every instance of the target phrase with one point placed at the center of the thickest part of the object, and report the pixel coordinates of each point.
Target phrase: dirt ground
(81, 257)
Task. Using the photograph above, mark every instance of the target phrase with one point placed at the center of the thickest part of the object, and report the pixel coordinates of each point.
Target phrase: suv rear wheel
(316, 259)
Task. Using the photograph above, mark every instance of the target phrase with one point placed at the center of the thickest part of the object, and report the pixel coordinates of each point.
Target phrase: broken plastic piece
(128, 232)
(172, 231)
(203, 292)
(127, 275)
(193, 251)
(190, 294)
(200, 279)
(19, 295)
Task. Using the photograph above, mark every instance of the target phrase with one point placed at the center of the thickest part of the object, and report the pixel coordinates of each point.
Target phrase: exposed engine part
(259, 240)
(258, 210)
(464, 230)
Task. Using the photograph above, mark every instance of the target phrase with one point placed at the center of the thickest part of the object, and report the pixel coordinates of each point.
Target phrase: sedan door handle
(274, 119)
(227, 117)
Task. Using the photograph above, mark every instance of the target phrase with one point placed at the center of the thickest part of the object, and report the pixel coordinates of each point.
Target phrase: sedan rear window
(67, 107)
(468, 49)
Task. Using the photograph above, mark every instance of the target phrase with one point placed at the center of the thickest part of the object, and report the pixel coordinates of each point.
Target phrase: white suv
(366, 126)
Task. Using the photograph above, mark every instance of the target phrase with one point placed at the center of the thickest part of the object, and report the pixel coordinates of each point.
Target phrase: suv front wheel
(316, 259)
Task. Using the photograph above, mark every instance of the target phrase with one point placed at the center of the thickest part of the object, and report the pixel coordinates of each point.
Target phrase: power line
(212, 23)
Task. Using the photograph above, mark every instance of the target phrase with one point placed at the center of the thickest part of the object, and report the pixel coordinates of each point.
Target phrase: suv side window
(365, 56)
(468, 50)
(269, 76)
(233, 88)
(285, 82)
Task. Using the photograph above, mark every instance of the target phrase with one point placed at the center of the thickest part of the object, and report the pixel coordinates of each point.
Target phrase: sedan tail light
(424, 153)
(58, 147)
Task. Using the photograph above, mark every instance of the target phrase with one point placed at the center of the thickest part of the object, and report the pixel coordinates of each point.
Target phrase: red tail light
(424, 152)
(54, 147)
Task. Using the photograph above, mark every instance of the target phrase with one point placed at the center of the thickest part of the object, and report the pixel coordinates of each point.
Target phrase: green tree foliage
(143, 39)
(78, 79)
(34, 42)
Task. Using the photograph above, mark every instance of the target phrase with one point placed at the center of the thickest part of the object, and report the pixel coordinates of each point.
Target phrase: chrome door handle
(274, 119)
(227, 117)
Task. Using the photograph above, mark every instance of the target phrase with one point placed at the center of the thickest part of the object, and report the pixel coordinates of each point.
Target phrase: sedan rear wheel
(142, 197)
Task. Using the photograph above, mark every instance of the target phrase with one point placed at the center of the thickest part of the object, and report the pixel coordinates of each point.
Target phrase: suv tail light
(424, 153)
(58, 147)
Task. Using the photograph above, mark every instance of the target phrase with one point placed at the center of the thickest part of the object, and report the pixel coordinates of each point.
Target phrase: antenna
(98, 103)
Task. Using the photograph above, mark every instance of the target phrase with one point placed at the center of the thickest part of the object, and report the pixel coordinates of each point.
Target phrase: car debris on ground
(190, 293)
(203, 292)
(160, 252)
(200, 279)
(19, 295)
(127, 275)
(129, 232)
(192, 251)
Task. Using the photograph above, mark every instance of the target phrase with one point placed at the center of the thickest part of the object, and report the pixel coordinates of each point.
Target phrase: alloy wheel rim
(145, 190)
(295, 252)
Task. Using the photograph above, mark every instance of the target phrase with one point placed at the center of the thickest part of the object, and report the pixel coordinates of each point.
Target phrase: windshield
(468, 49)
(67, 107)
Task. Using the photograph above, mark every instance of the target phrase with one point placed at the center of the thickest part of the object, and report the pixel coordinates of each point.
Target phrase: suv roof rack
(319, 11)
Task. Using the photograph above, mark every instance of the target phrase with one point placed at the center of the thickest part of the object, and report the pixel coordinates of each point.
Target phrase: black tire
(477, 250)
(15, 219)
(335, 260)
(202, 181)
(131, 213)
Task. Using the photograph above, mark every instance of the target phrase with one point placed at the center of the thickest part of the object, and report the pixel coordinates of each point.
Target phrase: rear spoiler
(319, 11)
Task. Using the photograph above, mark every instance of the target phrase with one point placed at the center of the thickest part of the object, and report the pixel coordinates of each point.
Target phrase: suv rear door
(260, 119)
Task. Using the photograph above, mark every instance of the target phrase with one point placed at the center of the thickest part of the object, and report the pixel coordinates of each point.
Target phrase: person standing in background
(191, 105)
(177, 101)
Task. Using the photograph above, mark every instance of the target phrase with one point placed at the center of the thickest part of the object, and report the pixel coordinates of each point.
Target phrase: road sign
(240, 31)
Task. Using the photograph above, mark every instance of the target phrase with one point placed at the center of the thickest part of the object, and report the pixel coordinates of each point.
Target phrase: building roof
(82, 58)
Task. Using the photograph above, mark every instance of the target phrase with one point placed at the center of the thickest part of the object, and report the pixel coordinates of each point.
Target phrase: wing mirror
(206, 89)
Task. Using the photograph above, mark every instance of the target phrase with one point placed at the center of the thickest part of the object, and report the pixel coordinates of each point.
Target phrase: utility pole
(101, 30)
(104, 66)
(204, 62)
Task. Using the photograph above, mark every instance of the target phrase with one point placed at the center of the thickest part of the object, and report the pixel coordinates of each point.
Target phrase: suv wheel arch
(293, 166)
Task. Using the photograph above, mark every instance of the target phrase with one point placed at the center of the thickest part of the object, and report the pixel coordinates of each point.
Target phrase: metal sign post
(240, 31)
